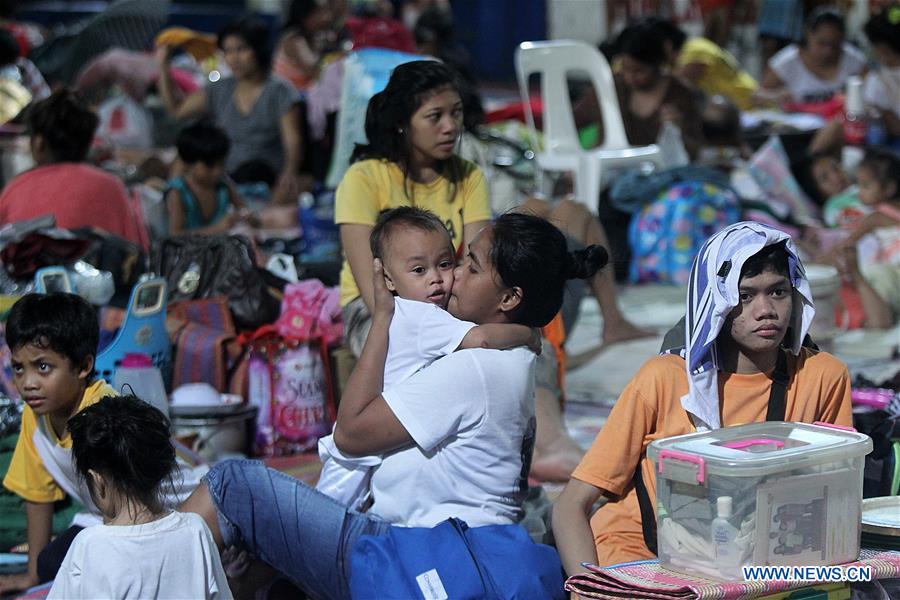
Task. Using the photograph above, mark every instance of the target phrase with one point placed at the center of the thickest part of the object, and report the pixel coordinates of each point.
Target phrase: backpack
(453, 560)
(669, 232)
(881, 474)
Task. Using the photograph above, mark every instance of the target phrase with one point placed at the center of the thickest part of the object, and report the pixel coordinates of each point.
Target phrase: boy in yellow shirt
(53, 339)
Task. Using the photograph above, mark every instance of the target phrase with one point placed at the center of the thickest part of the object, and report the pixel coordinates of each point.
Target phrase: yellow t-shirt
(371, 186)
(650, 409)
(723, 74)
(27, 476)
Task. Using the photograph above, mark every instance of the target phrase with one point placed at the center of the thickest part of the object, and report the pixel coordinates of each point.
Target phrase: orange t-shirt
(650, 409)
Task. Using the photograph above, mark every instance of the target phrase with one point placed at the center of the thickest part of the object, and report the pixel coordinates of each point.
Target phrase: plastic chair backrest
(554, 60)
(143, 331)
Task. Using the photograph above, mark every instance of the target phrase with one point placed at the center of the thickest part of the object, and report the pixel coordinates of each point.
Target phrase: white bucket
(824, 283)
(219, 436)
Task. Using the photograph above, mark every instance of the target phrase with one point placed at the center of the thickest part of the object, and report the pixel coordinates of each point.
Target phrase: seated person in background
(706, 65)
(842, 206)
(721, 124)
(299, 47)
(121, 449)
(878, 177)
(648, 96)
(202, 200)
(258, 111)
(806, 77)
(817, 69)
(419, 262)
(882, 87)
(866, 297)
(79, 195)
(755, 309)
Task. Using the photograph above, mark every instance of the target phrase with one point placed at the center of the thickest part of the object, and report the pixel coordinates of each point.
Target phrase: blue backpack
(668, 233)
(453, 560)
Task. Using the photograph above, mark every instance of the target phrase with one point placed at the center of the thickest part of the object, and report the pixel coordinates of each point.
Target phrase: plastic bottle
(724, 534)
(855, 124)
(138, 372)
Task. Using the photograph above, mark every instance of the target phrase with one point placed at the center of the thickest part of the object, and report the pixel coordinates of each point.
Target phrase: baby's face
(419, 264)
(829, 176)
(871, 190)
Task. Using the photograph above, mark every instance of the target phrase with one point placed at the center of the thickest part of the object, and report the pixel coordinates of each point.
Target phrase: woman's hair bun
(586, 262)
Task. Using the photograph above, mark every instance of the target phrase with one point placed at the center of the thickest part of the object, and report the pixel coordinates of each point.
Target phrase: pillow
(770, 167)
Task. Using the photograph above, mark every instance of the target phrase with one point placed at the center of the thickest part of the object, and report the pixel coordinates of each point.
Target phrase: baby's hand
(384, 299)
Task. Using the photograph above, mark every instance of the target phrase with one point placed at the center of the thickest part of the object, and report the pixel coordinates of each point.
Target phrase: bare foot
(557, 462)
(623, 331)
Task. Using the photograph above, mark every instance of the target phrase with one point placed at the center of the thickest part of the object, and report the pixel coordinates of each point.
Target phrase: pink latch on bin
(684, 456)
(743, 444)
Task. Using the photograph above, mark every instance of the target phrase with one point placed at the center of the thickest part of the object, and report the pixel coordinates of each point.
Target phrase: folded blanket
(647, 580)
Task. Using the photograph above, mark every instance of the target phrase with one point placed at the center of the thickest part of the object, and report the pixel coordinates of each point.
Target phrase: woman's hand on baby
(384, 299)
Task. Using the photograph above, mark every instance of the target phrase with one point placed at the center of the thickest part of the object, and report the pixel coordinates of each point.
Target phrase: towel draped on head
(713, 292)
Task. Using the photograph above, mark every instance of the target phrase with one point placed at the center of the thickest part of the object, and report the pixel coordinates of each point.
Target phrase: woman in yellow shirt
(413, 128)
(707, 65)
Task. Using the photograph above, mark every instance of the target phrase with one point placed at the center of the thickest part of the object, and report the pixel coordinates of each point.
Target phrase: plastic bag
(671, 146)
(125, 123)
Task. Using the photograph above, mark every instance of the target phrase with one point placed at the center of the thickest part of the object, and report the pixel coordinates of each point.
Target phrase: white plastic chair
(562, 151)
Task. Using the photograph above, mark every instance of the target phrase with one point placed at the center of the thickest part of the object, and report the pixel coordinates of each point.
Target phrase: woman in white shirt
(457, 436)
(812, 72)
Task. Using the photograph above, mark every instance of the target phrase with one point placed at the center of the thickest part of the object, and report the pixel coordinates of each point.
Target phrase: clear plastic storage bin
(761, 494)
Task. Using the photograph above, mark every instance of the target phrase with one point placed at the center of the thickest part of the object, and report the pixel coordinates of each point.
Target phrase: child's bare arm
(868, 224)
(175, 210)
(39, 517)
(500, 336)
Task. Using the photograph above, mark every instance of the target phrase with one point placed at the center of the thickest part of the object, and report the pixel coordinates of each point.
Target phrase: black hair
(531, 253)
(66, 125)
(126, 440)
(64, 323)
(297, 12)
(885, 165)
(643, 43)
(403, 216)
(884, 28)
(202, 142)
(8, 8)
(9, 47)
(668, 30)
(773, 257)
(255, 34)
(389, 112)
(727, 128)
(826, 15)
(434, 25)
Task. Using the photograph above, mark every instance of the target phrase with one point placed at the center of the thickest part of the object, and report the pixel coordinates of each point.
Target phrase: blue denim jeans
(302, 533)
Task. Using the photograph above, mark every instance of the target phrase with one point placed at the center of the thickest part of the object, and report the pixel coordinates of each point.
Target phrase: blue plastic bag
(452, 560)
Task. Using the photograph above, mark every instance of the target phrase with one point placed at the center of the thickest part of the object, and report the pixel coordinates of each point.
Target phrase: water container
(138, 373)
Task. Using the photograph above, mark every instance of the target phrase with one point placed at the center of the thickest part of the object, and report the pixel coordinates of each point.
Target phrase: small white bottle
(724, 534)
